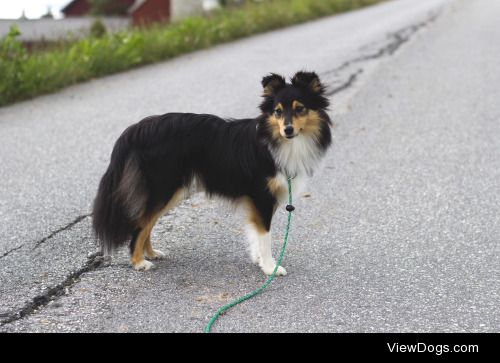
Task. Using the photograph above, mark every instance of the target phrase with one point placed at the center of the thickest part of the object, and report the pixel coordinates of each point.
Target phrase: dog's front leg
(259, 235)
(267, 262)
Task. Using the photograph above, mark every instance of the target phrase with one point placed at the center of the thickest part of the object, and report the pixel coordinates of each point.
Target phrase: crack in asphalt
(51, 235)
(64, 228)
(396, 40)
(12, 250)
(94, 261)
(345, 85)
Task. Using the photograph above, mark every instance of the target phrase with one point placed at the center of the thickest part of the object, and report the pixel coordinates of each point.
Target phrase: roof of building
(68, 5)
(136, 5)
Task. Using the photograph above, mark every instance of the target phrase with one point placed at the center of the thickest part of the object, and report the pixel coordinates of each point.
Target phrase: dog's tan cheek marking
(310, 124)
(276, 125)
(300, 121)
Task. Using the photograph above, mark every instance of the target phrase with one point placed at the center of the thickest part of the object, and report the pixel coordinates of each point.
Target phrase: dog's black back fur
(225, 155)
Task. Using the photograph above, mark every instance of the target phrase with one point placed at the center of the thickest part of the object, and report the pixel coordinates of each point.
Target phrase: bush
(13, 56)
(97, 29)
(101, 53)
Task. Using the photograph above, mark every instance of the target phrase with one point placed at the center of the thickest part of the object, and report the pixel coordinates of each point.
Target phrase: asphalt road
(400, 232)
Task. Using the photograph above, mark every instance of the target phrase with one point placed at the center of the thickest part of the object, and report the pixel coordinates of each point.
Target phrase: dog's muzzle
(288, 131)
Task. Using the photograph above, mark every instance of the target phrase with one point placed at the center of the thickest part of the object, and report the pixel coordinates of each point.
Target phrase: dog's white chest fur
(299, 156)
(298, 185)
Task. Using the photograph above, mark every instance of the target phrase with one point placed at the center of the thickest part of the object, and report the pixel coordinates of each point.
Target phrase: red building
(76, 8)
(141, 12)
(145, 12)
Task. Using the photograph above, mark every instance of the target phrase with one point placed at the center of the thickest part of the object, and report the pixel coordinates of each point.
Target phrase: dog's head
(292, 109)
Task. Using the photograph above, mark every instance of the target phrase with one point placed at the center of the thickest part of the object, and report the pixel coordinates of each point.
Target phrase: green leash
(290, 209)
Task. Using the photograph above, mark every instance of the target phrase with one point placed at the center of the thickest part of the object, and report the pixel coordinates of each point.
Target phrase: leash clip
(290, 208)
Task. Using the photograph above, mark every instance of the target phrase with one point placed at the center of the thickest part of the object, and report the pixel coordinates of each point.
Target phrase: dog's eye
(299, 109)
(278, 112)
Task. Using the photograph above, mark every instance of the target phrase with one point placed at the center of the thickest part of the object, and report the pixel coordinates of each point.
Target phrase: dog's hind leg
(143, 247)
(149, 252)
(137, 259)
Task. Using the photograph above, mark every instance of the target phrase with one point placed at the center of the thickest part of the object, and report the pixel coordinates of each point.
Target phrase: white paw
(157, 254)
(268, 270)
(143, 265)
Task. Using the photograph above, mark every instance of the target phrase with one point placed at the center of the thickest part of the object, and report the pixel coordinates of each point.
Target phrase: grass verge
(24, 75)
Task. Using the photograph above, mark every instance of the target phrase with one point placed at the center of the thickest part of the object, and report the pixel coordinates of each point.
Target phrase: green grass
(24, 75)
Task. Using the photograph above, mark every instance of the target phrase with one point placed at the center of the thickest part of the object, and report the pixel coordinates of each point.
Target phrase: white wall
(183, 8)
(50, 29)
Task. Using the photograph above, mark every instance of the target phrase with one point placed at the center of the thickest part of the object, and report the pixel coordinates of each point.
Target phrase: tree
(48, 14)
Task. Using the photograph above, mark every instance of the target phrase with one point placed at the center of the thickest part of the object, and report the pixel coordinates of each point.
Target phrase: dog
(158, 161)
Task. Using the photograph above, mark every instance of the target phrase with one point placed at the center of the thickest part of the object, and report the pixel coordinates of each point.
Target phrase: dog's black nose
(289, 130)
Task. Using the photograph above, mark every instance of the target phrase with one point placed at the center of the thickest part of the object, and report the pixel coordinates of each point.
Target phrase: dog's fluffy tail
(121, 199)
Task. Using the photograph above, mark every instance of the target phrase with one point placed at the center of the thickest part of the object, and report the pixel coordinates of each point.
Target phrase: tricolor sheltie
(158, 161)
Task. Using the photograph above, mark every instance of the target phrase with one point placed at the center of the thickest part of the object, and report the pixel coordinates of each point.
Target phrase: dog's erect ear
(272, 84)
(309, 81)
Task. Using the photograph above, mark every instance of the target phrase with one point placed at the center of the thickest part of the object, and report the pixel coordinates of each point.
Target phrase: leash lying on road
(290, 208)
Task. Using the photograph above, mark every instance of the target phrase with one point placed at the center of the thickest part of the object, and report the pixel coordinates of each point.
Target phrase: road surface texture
(401, 229)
